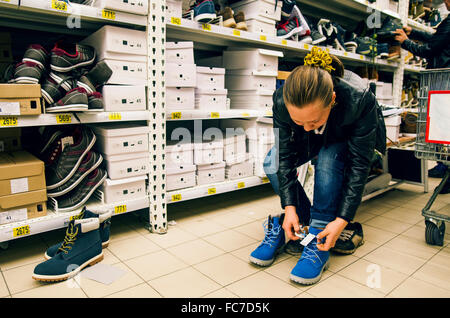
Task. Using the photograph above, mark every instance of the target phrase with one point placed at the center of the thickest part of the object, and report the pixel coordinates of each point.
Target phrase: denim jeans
(328, 182)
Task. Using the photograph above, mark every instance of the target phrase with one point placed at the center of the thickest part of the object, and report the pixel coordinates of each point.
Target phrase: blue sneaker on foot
(311, 264)
(273, 242)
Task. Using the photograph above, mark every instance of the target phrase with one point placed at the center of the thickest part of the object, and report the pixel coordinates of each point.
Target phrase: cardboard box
(10, 140)
(29, 200)
(260, 8)
(132, 6)
(20, 91)
(21, 172)
(20, 99)
(23, 213)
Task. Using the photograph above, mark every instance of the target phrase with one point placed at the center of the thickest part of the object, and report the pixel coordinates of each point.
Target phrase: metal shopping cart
(432, 80)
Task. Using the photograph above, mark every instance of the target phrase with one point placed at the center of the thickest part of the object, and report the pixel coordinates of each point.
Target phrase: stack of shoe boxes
(139, 7)
(23, 192)
(239, 164)
(174, 9)
(261, 15)
(251, 76)
(210, 93)
(125, 150)
(20, 99)
(384, 93)
(180, 165)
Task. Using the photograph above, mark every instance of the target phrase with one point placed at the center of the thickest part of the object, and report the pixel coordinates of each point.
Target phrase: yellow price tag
(176, 197)
(206, 27)
(176, 21)
(108, 14)
(284, 42)
(263, 38)
(176, 115)
(265, 180)
(59, 5)
(8, 121)
(63, 119)
(245, 115)
(237, 32)
(115, 116)
(212, 191)
(21, 231)
(241, 185)
(269, 113)
(120, 209)
(361, 57)
(306, 46)
(215, 115)
(345, 54)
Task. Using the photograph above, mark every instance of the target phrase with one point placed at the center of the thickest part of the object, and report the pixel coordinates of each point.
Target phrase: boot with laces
(350, 239)
(272, 244)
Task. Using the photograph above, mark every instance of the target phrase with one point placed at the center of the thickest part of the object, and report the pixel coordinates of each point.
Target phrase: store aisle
(205, 254)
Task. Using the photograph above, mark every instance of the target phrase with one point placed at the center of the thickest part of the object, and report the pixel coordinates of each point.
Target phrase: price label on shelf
(237, 32)
(21, 231)
(263, 38)
(115, 116)
(206, 27)
(63, 119)
(268, 113)
(176, 197)
(306, 46)
(215, 115)
(345, 53)
(241, 185)
(8, 121)
(361, 57)
(284, 42)
(176, 21)
(108, 14)
(265, 180)
(120, 209)
(212, 191)
(59, 5)
(245, 115)
(176, 115)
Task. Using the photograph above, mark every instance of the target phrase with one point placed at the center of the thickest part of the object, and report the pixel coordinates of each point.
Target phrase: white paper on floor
(103, 273)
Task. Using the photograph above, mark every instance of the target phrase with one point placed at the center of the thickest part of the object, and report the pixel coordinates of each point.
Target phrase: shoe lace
(310, 252)
(69, 240)
(270, 233)
(346, 235)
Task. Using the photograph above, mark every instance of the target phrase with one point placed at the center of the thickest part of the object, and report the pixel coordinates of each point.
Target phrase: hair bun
(319, 58)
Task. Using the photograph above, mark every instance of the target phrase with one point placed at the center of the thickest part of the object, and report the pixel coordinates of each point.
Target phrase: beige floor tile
(304, 295)
(3, 288)
(376, 277)
(394, 260)
(363, 216)
(338, 262)
(387, 224)
(23, 252)
(139, 291)
(195, 252)
(122, 231)
(186, 283)
(365, 249)
(65, 289)
(19, 279)
(415, 288)
(232, 219)
(416, 232)
(226, 269)
(442, 258)
(109, 258)
(244, 253)
(221, 293)
(375, 235)
(229, 240)
(338, 286)
(260, 211)
(412, 247)
(254, 230)
(375, 207)
(132, 247)
(156, 264)
(434, 274)
(96, 289)
(263, 285)
(174, 236)
(201, 227)
(404, 215)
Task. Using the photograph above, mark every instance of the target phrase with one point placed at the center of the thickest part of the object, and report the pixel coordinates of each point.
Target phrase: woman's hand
(290, 222)
(400, 36)
(331, 233)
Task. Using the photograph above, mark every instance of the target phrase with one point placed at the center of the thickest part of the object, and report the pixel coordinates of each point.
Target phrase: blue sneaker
(273, 243)
(311, 264)
(204, 11)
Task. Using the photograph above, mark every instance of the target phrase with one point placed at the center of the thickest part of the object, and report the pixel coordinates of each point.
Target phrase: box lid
(237, 136)
(208, 145)
(18, 91)
(181, 146)
(263, 92)
(180, 45)
(180, 169)
(110, 182)
(252, 72)
(239, 158)
(251, 18)
(120, 129)
(19, 164)
(210, 70)
(210, 166)
(22, 199)
(126, 156)
(211, 91)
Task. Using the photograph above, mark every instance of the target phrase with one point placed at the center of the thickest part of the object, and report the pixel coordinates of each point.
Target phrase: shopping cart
(432, 80)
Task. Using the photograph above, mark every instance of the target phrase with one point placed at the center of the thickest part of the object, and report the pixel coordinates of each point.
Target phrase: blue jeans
(328, 182)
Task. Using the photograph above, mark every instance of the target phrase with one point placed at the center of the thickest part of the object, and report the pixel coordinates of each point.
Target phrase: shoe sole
(57, 278)
(26, 80)
(58, 194)
(383, 56)
(53, 186)
(47, 97)
(348, 252)
(67, 108)
(104, 245)
(392, 58)
(291, 33)
(241, 26)
(230, 23)
(310, 281)
(66, 86)
(205, 17)
(70, 68)
(338, 45)
(269, 262)
(86, 87)
(79, 204)
(318, 41)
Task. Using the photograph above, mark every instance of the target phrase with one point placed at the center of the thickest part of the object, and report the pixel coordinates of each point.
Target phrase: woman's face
(311, 116)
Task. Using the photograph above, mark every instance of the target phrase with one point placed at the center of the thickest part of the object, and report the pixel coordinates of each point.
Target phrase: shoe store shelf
(204, 114)
(419, 26)
(413, 69)
(54, 220)
(212, 189)
(71, 118)
(210, 34)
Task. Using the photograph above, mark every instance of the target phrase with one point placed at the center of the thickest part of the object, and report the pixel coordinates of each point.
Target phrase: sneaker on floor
(37, 54)
(272, 244)
(96, 77)
(104, 229)
(66, 57)
(204, 11)
(312, 263)
(81, 247)
(438, 171)
(350, 239)
(27, 73)
(76, 100)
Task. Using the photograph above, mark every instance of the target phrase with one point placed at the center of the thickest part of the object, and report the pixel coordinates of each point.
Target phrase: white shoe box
(259, 148)
(210, 173)
(392, 128)
(208, 152)
(180, 177)
(251, 59)
(234, 146)
(126, 72)
(211, 99)
(124, 98)
(260, 25)
(239, 170)
(254, 129)
(121, 138)
(210, 77)
(181, 75)
(255, 99)
(111, 42)
(127, 165)
(123, 189)
(132, 6)
(180, 98)
(262, 8)
(250, 80)
(174, 8)
(259, 168)
(180, 52)
(179, 154)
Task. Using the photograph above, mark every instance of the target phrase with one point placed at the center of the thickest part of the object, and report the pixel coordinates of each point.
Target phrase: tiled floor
(206, 254)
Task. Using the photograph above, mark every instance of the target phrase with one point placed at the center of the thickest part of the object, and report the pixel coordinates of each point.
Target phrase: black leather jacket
(355, 119)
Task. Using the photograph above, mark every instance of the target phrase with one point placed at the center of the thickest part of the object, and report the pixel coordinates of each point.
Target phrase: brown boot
(240, 21)
(228, 19)
(394, 52)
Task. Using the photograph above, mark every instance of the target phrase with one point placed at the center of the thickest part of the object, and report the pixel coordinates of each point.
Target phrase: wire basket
(431, 80)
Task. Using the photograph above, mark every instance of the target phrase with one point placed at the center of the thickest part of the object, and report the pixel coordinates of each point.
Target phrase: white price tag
(307, 239)
(19, 185)
(9, 108)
